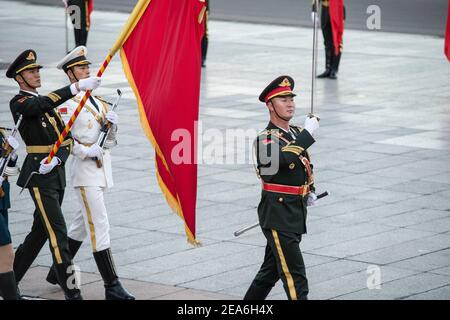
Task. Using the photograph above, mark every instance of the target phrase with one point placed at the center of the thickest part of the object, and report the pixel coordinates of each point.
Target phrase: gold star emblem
(285, 83)
(31, 56)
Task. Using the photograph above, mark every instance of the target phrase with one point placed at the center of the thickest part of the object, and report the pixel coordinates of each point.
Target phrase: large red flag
(447, 35)
(337, 23)
(162, 60)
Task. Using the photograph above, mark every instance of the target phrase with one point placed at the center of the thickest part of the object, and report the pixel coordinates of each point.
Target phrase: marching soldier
(283, 164)
(8, 287)
(40, 128)
(332, 59)
(89, 179)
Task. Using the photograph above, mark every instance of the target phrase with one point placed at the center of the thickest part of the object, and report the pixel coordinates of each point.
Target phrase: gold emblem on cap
(285, 83)
(81, 53)
(31, 56)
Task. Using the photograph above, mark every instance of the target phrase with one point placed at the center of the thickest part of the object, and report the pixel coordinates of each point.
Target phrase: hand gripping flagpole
(127, 29)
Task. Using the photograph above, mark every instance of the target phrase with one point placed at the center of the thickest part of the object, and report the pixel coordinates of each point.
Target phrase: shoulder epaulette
(299, 129)
(54, 97)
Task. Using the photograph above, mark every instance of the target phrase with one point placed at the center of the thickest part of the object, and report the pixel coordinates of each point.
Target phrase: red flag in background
(162, 61)
(337, 23)
(90, 7)
(447, 35)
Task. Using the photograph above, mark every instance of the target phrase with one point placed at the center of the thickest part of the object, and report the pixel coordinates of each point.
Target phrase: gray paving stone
(427, 262)
(442, 293)
(444, 271)
(369, 243)
(354, 283)
(342, 235)
(415, 284)
(413, 218)
(406, 250)
(333, 269)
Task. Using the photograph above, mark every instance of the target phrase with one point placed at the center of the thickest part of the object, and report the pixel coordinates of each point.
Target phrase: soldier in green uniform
(283, 164)
(40, 128)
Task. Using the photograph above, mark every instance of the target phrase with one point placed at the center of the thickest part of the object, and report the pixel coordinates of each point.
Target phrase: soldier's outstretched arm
(31, 106)
(304, 140)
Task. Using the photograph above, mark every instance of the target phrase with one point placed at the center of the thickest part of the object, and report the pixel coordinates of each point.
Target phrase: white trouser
(91, 219)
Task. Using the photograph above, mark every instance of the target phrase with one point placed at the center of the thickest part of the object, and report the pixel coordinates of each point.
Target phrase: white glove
(311, 125)
(90, 83)
(65, 3)
(94, 151)
(46, 168)
(311, 199)
(112, 117)
(13, 142)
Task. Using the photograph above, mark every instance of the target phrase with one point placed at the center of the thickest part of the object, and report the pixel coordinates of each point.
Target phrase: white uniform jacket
(85, 131)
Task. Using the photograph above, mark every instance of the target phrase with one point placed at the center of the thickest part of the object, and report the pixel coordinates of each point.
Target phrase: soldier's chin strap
(73, 73)
(275, 109)
(20, 75)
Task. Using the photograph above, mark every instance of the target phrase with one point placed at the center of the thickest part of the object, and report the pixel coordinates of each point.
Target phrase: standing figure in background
(82, 23)
(332, 23)
(205, 36)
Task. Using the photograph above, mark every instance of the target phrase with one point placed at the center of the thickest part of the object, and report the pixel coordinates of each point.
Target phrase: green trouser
(283, 259)
(48, 224)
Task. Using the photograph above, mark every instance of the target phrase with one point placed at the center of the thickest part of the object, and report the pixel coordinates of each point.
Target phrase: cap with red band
(281, 86)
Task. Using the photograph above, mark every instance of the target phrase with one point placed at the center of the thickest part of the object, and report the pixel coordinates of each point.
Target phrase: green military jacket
(41, 126)
(278, 162)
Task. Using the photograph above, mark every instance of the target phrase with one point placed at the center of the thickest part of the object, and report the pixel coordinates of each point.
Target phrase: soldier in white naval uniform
(88, 178)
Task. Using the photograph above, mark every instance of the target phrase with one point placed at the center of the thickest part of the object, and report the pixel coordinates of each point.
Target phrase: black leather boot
(335, 60)
(74, 246)
(8, 287)
(257, 293)
(113, 287)
(327, 71)
(65, 274)
(333, 75)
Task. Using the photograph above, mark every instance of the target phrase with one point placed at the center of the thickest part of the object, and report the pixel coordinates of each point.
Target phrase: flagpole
(67, 30)
(314, 57)
(127, 29)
